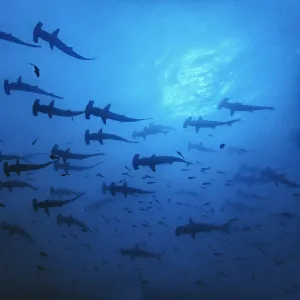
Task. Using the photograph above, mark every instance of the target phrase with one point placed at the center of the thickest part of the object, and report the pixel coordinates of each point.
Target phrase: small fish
(99, 174)
(36, 70)
(222, 146)
(41, 268)
(206, 183)
(217, 254)
(1, 205)
(43, 254)
(211, 135)
(70, 142)
(34, 141)
(65, 174)
(127, 169)
(203, 170)
(191, 177)
(151, 182)
(180, 154)
(296, 194)
(147, 176)
(1, 141)
(220, 172)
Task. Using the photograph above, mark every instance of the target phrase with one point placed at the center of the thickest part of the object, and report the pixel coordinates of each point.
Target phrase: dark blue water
(169, 61)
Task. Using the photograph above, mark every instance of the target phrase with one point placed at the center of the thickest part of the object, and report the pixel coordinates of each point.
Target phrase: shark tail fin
(58, 219)
(186, 122)
(104, 188)
(35, 107)
(6, 87)
(189, 146)
(88, 109)
(226, 226)
(87, 137)
(233, 121)
(160, 255)
(135, 159)
(134, 135)
(35, 204)
(222, 103)
(51, 189)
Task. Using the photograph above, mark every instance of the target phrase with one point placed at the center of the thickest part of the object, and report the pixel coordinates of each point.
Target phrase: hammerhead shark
(70, 221)
(50, 110)
(10, 184)
(105, 113)
(11, 157)
(47, 204)
(25, 87)
(18, 168)
(137, 252)
(12, 39)
(238, 106)
(152, 129)
(277, 177)
(54, 41)
(200, 123)
(123, 189)
(13, 229)
(66, 167)
(66, 154)
(100, 136)
(199, 147)
(192, 228)
(154, 160)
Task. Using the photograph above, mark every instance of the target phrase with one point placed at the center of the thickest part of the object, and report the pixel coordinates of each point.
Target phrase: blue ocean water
(183, 208)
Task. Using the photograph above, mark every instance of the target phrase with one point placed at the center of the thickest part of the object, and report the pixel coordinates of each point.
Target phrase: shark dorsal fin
(200, 118)
(20, 79)
(107, 107)
(191, 221)
(100, 131)
(153, 155)
(51, 103)
(56, 32)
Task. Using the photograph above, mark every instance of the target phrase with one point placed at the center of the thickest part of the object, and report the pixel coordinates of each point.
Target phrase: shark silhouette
(25, 87)
(12, 39)
(54, 41)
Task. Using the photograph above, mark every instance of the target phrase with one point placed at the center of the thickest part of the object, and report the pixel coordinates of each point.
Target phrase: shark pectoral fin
(50, 114)
(152, 167)
(197, 129)
(144, 137)
(125, 194)
(100, 141)
(232, 112)
(103, 120)
(193, 235)
(18, 172)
